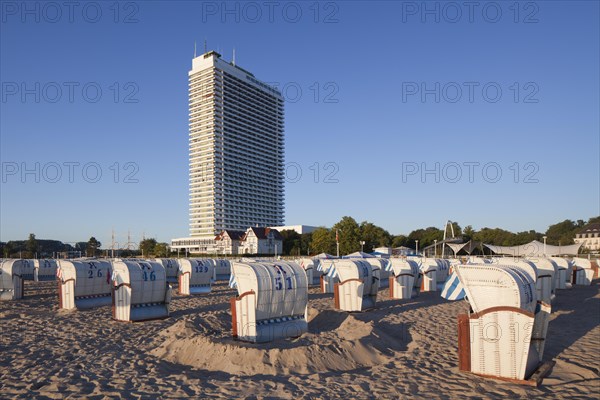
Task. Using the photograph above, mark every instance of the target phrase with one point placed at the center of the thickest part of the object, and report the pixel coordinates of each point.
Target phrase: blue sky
(377, 92)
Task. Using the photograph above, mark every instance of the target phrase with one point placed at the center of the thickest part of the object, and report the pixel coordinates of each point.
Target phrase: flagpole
(337, 243)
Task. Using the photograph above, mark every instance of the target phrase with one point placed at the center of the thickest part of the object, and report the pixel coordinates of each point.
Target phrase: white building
(264, 241)
(589, 236)
(235, 150)
(229, 241)
(300, 229)
(197, 245)
(261, 241)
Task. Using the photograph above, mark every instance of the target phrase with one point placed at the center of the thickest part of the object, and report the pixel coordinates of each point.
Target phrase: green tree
(147, 247)
(563, 232)
(525, 237)
(32, 245)
(468, 233)
(92, 247)
(125, 253)
(495, 236)
(305, 241)
(400, 241)
(7, 249)
(425, 237)
(374, 236)
(291, 242)
(591, 221)
(457, 230)
(349, 235)
(323, 241)
(161, 250)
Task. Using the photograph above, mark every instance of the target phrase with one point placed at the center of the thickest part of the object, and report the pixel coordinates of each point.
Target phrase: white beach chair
(402, 276)
(358, 284)
(272, 301)
(222, 269)
(44, 270)
(504, 334)
(195, 276)
(140, 290)
(83, 284)
(563, 276)
(584, 271)
(171, 266)
(11, 280)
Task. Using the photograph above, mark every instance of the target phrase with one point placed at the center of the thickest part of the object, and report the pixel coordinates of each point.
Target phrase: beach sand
(400, 349)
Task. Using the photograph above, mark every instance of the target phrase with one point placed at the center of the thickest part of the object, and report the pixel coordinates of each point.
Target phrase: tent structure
(535, 249)
(461, 249)
(442, 247)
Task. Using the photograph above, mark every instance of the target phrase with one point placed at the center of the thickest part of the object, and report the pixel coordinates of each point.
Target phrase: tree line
(322, 240)
(41, 248)
(351, 234)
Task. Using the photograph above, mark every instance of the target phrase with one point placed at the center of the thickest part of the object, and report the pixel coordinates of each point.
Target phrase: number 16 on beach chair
(140, 291)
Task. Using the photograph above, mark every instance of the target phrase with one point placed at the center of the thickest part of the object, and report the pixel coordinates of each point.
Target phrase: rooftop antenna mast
(233, 62)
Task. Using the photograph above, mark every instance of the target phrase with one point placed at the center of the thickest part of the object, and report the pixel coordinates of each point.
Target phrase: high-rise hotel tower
(236, 149)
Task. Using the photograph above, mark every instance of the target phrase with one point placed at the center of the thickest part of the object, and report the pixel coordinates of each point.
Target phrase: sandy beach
(401, 349)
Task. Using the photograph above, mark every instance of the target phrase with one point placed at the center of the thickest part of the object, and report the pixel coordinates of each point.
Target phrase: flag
(453, 289)
(337, 236)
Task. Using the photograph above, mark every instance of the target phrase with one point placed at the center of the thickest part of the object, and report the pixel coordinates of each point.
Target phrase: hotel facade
(236, 152)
